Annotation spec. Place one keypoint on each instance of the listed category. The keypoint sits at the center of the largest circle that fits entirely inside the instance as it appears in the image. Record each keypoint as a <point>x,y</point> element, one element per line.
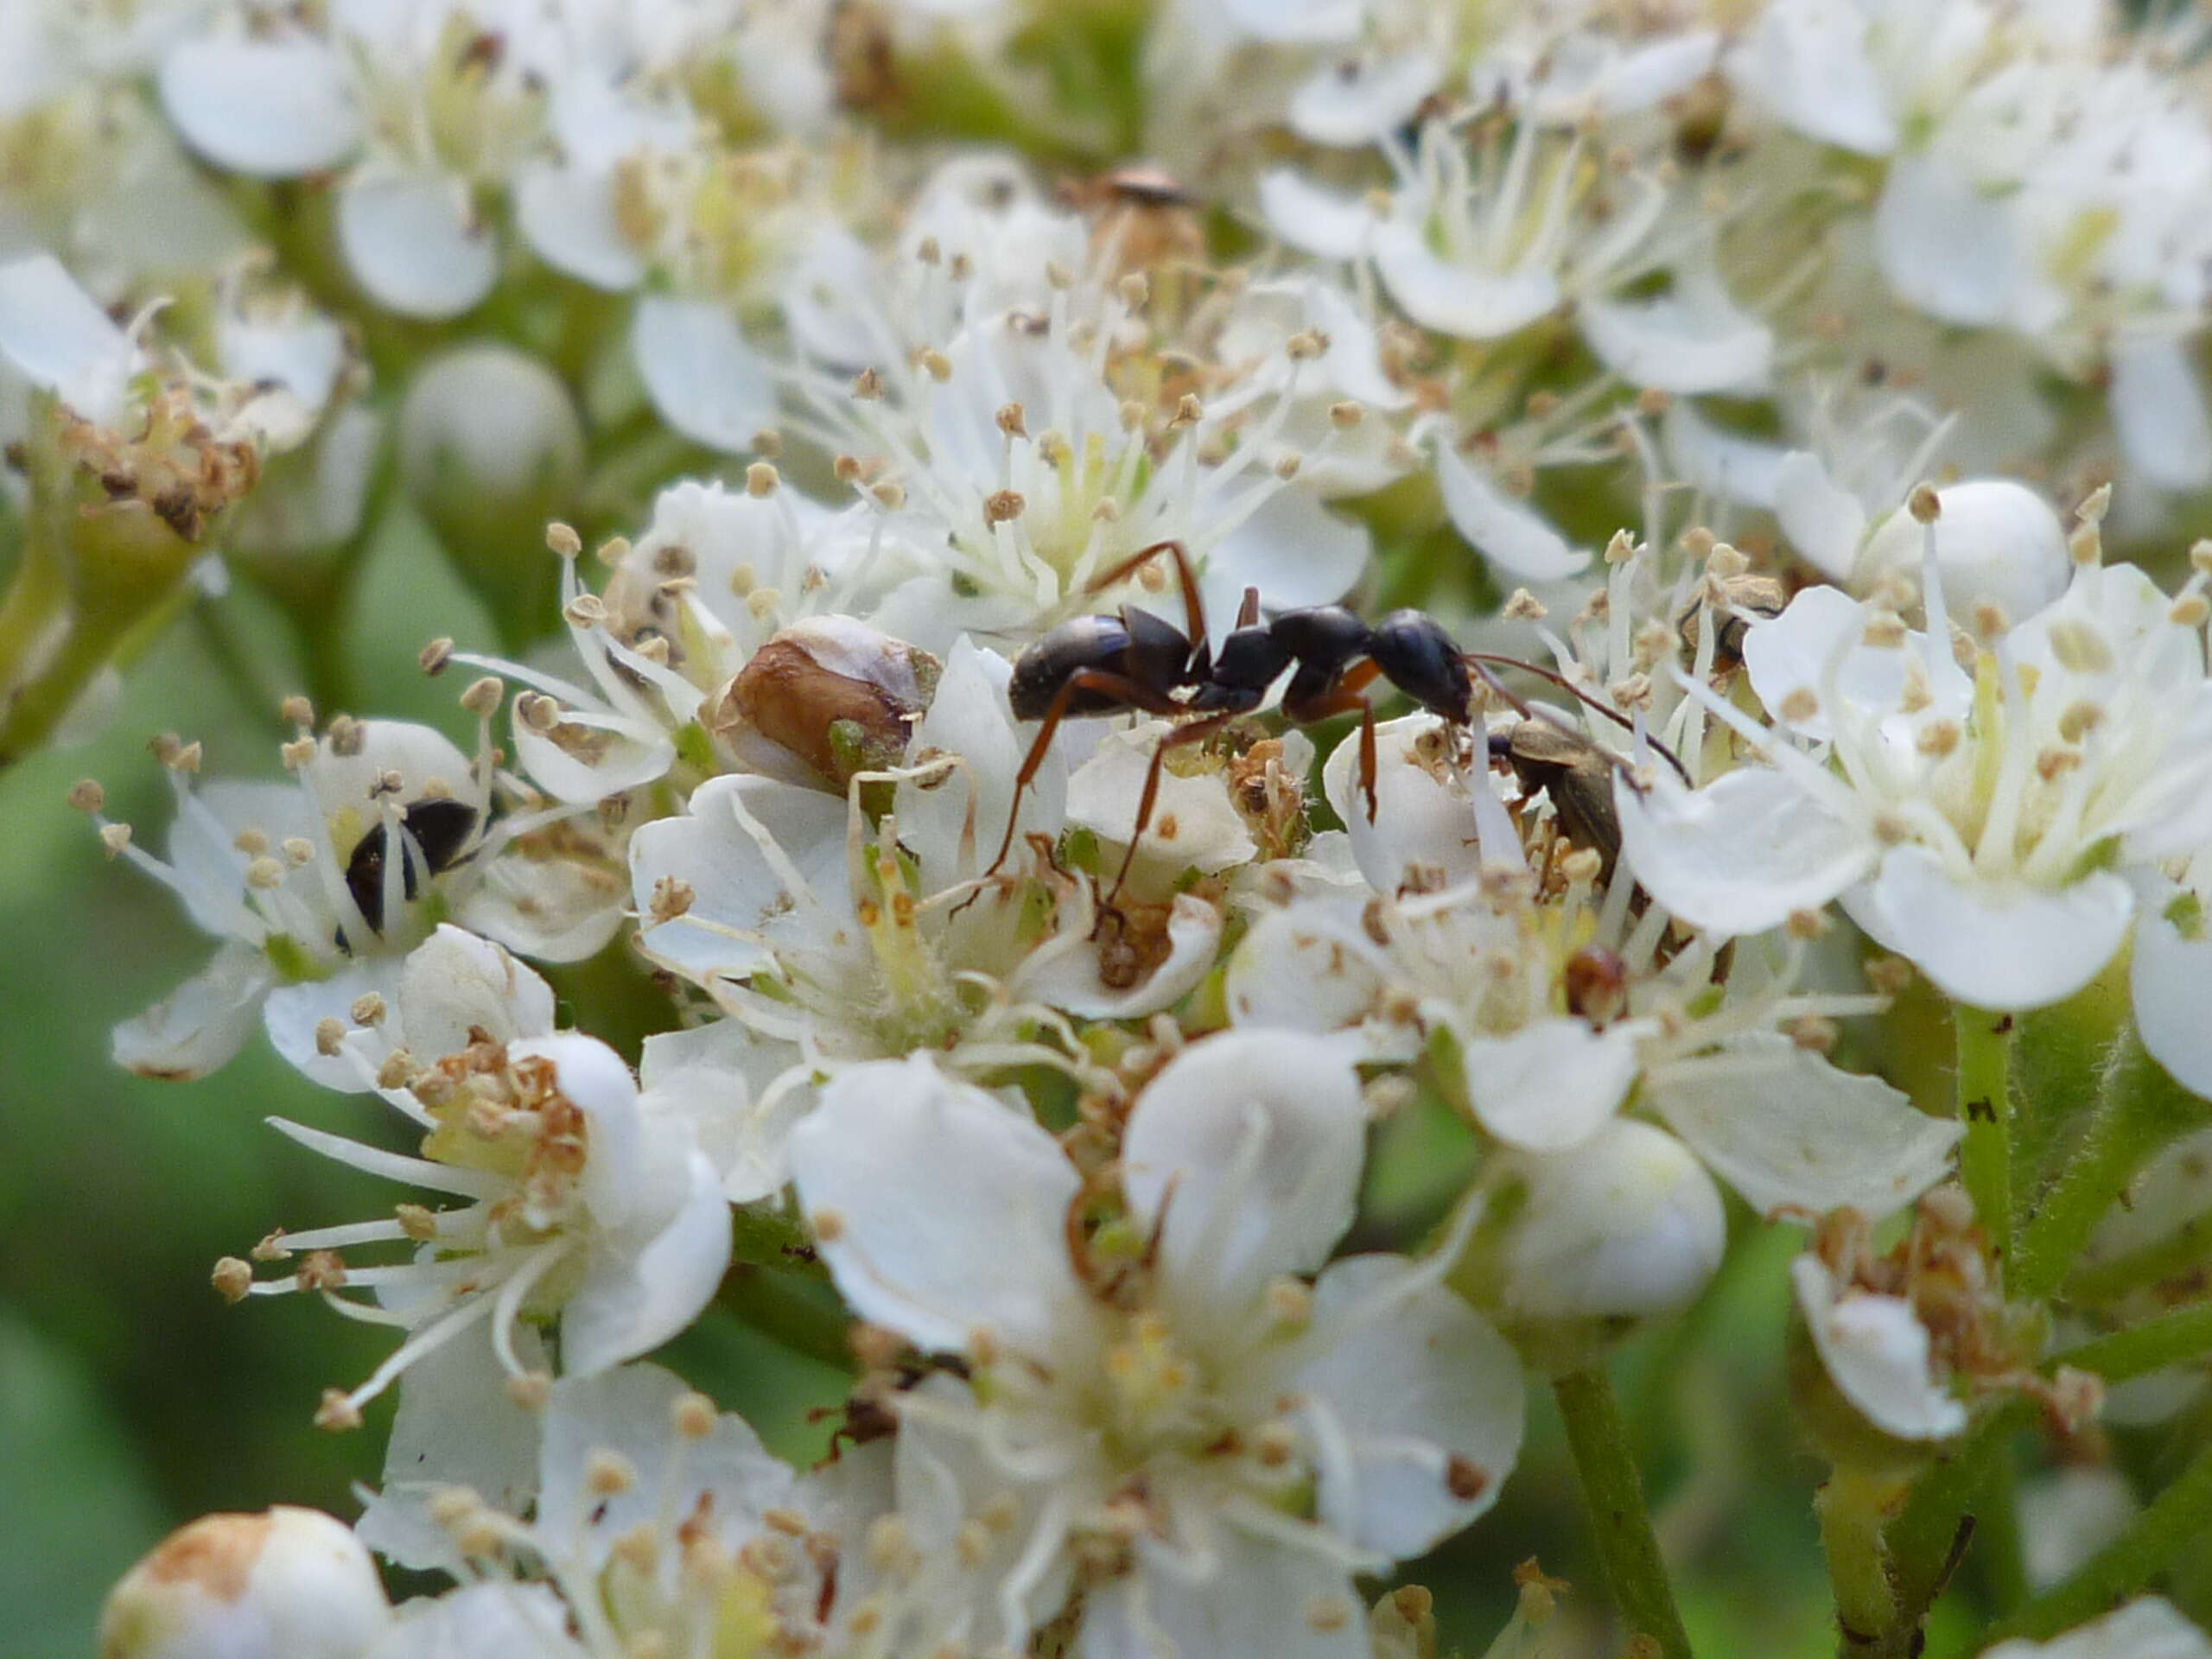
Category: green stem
<point>2139,1109</point>
<point>34,599</point>
<point>1984,1091</point>
<point>1921,1538</point>
<point>1999,1550</point>
<point>1612,1493</point>
<point>2175,1519</point>
<point>792,1312</point>
<point>1852,1509</point>
<point>2185,1333</point>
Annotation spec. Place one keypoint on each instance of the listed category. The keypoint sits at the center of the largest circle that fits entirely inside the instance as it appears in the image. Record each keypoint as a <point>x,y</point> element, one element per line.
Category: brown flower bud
<point>834,693</point>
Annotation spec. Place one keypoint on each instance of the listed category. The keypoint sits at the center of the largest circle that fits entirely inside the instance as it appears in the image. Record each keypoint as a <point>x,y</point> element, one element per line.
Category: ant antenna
<point>1479,660</point>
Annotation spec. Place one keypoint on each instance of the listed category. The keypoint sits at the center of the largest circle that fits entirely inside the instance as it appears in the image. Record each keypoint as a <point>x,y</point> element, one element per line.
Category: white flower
<point>718,574</point>
<point>1572,1250</point>
<point>1236,1443</point>
<point>2149,1627</point>
<point>1012,472</point>
<point>831,942</point>
<point>286,1584</point>
<point>300,882</point>
<point>1981,826</point>
<point>581,1203</point>
<point>1878,1352</point>
<point>1999,545</point>
<point>55,337</point>
<point>650,1513</point>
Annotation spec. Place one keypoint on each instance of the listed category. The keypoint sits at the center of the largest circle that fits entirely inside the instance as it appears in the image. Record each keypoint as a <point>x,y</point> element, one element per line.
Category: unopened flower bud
<point>835,694</point>
<point>1997,542</point>
<point>286,1584</point>
<point>1590,1243</point>
<point>490,450</point>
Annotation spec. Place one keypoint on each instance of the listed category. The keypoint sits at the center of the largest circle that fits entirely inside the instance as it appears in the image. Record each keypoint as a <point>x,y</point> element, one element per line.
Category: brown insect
<point>1748,600</point>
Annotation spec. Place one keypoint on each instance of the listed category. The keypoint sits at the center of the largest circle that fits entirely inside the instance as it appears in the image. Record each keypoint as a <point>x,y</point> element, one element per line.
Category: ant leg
<point>1197,731</point>
<point>1124,690</point>
<point>1475,659</point>
<point>1194,610</point>
<point>1343,699</point>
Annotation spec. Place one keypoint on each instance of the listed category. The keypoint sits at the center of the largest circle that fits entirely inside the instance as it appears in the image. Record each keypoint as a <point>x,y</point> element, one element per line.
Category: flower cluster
<point>943,587</point>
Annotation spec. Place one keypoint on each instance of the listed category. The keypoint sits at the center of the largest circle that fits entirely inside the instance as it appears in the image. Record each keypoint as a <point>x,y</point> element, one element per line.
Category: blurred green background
<point>133,1398</point>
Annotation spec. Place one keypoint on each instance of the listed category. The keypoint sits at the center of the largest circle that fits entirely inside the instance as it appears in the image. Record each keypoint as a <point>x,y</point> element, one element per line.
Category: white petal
<point>1821,631</point>
<point>1295,20</point>
<point>1806,60</point>
<point>293,1012</point>
<point>1721,463</point>
<point>1455,299</point>
<point>1227,1592</point>
<point>1064,971</point>
<point>1784,1127</point>
<point>1822,519</point>
<point>566,212</point>
<point>197,1028</point>
<point>57,338</point>
<point>720,1484</point>
<point>424,758</point>
<point>502,1617</point>
<point>830,303</point>
<point>742,901</point>
<point>949,1209</point>
<point>954,824</point>
<point>1628,1224</point>
<point>415,242</point>
<point>1510,536</point>
<point>1249,1143</point>
<point>2170,972</point>
<point>705,380</point>
<point>1738,855</point>
<point>1291,972</point>
<point>716,1077</point>
<point>304,357</point>
<point>1945,246</point>
<point>455,984</point>
<point>2068,1515</point>
<point>1312,220</point>
<point>274,108</point>
<point>1618,80</point>
<point>622,753</point>
<point>555,910</point>
<point>2146,1628</point>
<point>1294,550</point>
<point>2158,412</point>
<point>1421,837</point>
<point>1693,339</point>
<point>1996,945</point>
<point>1416,1380</point>
<point>1359,101</point>
<point>457,1426</point>
<point>1194,824</point>
<point>1551,1085</point>
<point>630,1301</point>
<point>1876,1351</point>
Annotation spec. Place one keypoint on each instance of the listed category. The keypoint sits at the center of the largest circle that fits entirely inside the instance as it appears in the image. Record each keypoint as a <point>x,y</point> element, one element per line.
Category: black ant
<point>444,833</point>
<point>1137,662</point>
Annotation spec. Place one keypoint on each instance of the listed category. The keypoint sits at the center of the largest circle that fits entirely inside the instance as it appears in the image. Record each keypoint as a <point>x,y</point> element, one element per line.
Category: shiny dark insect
<point>1135,662</point>
<point>445,831</point>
